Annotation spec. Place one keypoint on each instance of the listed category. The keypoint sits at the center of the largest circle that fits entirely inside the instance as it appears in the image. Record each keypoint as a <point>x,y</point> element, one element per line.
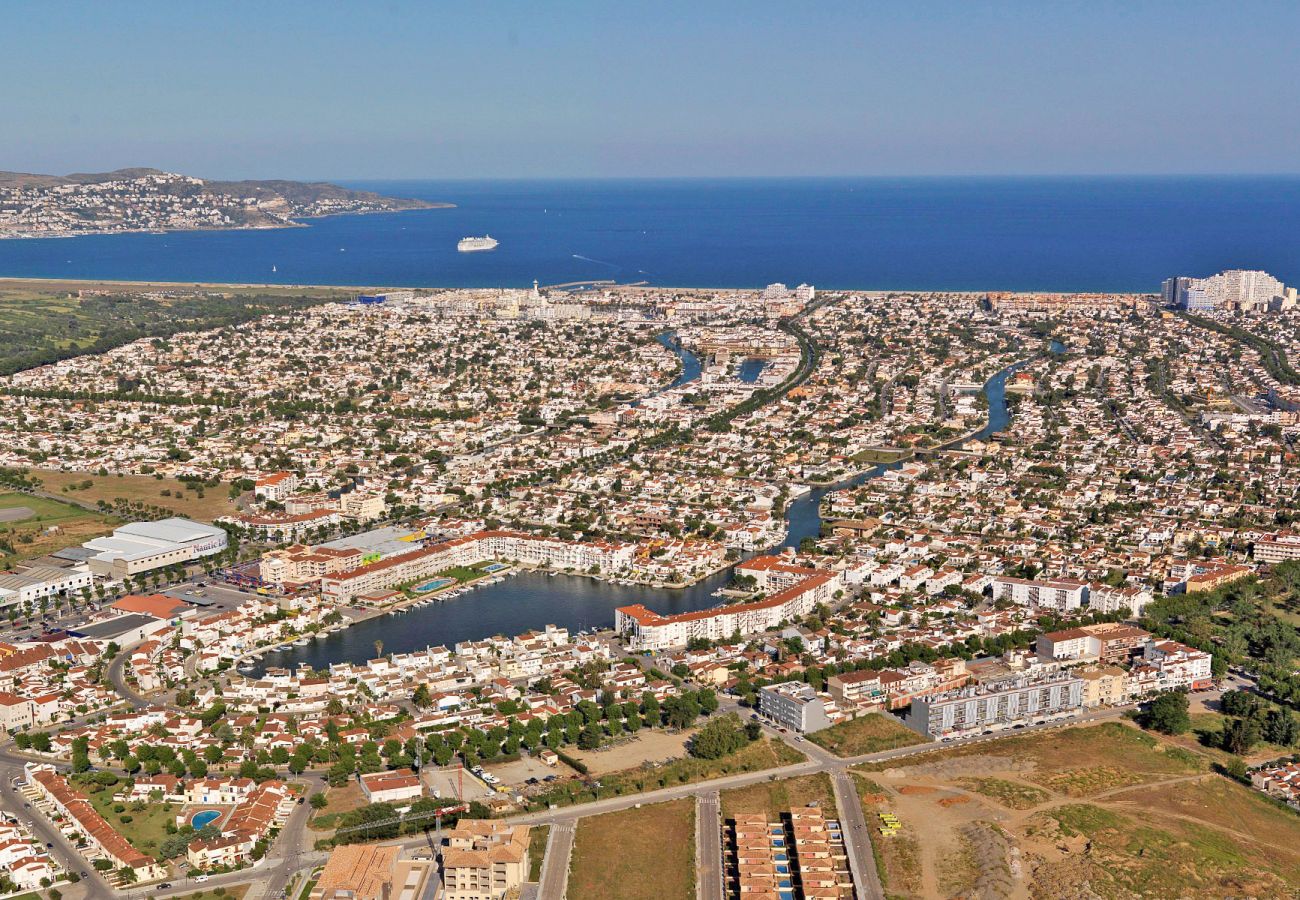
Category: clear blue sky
<point>395,89</point>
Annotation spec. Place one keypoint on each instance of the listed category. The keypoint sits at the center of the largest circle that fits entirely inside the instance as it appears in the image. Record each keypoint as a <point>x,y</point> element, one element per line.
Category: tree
<point>420,697</point>
<point>318,801</point>
<point>591,737</point>
<point>1239,735</point>
<point>720,737</point>
<point>1168,713</point>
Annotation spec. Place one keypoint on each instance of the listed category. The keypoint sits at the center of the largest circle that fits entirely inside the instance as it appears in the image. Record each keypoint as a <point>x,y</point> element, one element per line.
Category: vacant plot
<point>761,754</point>
<point>636,854</point>
<point>775,797</point>
<point>340,800</point>
<point>168,493</point>
<point>1011,794</point>
<point>1099,811</point>
<point>35,526</point>
<point>1077,762</point>
<point>1156,855</point>
<point>649,746</point>
<point>871,733</point>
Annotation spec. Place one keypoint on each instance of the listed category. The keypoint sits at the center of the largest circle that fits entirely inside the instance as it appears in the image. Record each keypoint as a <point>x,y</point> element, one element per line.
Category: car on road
<point>200,878</point>
<point>49,845</point>
<point>164,886</point>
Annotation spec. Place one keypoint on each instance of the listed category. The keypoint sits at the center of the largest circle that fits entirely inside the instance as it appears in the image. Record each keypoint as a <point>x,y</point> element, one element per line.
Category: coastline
<point>295,222</point>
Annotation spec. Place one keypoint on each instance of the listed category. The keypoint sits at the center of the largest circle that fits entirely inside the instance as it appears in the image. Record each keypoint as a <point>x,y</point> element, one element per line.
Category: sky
<point>374,90</point>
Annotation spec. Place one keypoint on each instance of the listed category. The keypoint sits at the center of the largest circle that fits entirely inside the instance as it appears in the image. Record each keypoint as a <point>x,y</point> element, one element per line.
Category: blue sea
<point>1052,234</point>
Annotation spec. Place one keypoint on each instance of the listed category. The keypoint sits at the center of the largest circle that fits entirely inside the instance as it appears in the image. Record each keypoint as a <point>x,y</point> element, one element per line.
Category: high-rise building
<point>1243,289</point>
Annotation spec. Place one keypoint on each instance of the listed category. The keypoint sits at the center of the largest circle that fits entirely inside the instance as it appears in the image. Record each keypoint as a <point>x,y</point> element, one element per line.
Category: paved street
<point>555,868</point>
<point>857,837</point>
<point>708,846</point>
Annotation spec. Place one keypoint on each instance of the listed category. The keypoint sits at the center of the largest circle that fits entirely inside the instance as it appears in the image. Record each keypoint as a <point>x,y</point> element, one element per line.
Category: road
<point>92,883</point>
<point>555,867</point>
<point>857,837</point>
<point>708,846</point>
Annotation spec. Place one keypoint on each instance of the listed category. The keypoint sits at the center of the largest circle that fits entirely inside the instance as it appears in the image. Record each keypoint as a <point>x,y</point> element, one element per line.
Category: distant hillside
<point>153,200</point>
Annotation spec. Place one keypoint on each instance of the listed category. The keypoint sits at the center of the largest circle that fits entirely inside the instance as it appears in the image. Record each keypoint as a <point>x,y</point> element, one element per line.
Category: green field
<point>44,321</point>
<point>871,733</point>
<point>51,526</point>
<point>146,829</point>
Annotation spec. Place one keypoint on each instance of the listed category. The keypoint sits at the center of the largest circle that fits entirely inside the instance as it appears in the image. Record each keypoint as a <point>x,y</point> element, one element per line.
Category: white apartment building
<point>1276,548</point>
<point>793,705</point>
<point>1027,700</point>
<point>648,630</point>
<point>1063,595</point>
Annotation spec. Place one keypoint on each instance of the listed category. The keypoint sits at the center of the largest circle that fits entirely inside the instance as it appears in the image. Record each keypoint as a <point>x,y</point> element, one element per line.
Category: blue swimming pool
<point>433,585</point>
<point>207,817</point>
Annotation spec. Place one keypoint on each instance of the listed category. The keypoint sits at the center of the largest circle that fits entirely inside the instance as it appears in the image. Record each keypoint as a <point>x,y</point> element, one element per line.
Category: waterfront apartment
<point>647,630</point>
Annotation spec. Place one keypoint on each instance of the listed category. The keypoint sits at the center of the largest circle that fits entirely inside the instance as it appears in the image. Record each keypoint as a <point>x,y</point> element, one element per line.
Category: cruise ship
<point>474,244</point>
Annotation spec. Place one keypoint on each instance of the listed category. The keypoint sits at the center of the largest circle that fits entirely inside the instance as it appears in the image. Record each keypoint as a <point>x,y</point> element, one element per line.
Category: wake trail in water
<point>599,262</point>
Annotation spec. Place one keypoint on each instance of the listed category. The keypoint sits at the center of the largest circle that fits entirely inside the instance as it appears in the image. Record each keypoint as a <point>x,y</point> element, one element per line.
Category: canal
<point>534,599</point>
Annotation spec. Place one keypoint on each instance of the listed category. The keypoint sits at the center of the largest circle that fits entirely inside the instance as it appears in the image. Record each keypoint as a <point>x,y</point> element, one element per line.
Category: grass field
<point>636,854</point>
<point>183,499</point>
<point>871,733</point>
<point>761,754</point>
<point>146,829</point>
<point>775,797</point>
<point>29,537</point>
<point>537,838</point>
<point>43,321</point>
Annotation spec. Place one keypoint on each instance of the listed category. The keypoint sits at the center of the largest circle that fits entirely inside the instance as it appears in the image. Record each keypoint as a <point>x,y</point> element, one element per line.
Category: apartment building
<point>1062,595</point>
<point>484,860</point>
<point>793,705</point>
<point>1107,642</point>
<point>648,630</point>
<point>1129,599</point>
<point>995,706</point>
<point>373,872</point>
<point>82,818</point>
<point>276,486</point>
<point>1276,548</point>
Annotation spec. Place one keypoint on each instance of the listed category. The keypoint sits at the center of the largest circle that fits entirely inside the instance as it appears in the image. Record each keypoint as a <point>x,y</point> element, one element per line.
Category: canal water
<point>534,599</point>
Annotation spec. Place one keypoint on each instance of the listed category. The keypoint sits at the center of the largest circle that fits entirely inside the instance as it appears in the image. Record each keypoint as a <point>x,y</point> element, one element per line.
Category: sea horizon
<point>1067,233</point>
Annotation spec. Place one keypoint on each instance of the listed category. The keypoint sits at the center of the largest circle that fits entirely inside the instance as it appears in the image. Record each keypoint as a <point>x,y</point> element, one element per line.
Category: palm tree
<point>379,648</point>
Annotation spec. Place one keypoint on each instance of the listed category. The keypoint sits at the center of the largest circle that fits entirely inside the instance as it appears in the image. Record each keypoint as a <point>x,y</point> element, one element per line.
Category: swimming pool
<point>207,817</point>
<point>433,585</point>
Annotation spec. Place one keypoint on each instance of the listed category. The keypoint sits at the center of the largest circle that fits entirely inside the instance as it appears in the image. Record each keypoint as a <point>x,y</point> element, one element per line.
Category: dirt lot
<point>446,782</point>
<point>636,854</point>
<point>519,771</point>
<point>648,746</point>
<point>1101,811</point>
